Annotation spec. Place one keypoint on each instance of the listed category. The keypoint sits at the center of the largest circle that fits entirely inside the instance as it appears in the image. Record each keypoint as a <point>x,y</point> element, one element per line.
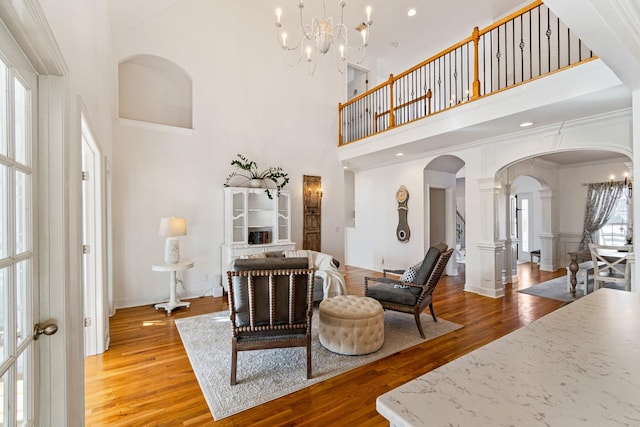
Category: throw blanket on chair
<point>333,281</point>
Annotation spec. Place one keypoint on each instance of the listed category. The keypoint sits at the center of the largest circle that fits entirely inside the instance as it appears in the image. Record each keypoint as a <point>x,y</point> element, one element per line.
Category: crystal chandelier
<point>318,37</point>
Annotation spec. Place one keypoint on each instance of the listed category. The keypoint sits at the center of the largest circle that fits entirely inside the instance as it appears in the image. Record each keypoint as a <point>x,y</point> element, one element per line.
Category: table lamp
<point>172,227</point>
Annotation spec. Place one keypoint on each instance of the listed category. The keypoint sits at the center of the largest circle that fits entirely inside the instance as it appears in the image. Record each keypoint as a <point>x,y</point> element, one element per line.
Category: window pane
<point>5,395</point>
<point>525,225</point>
<point>4,304</point>
<point>4,211</point>
<point>22,415</point>
<point>21,121</point>
<point>23,293</point>
<point>23,212</point>
<point>3,109</point>
<point>616,231</point>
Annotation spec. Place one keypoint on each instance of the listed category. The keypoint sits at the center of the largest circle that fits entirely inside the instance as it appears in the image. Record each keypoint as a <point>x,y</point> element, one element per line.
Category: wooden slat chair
<point>270,306</point>
<point>411,297</point>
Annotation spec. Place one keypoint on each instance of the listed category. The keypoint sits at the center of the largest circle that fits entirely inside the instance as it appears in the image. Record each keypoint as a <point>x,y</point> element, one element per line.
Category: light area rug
<point>557,289</point>
<point>265,375</point>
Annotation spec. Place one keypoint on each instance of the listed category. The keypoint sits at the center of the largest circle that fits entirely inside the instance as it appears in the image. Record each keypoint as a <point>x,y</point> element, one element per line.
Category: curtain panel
<point>601,200</point>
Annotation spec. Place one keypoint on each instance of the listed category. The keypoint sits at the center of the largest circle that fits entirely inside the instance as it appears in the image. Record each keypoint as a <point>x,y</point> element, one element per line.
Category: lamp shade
<point>172,227</point>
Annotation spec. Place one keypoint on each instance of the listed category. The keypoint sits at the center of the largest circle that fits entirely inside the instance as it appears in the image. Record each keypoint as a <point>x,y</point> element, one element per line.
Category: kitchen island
<point>579,365</point>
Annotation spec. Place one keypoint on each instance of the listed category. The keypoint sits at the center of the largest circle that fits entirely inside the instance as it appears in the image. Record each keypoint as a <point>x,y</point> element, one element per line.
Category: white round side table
<point>174,302</point>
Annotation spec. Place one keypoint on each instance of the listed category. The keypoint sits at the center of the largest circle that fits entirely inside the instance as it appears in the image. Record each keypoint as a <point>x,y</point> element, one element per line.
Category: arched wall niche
<point>155,90</point>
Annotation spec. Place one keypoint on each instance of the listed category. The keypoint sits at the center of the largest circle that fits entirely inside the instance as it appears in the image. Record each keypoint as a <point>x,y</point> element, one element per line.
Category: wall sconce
<point>172,227</point>
<point>318,192</point>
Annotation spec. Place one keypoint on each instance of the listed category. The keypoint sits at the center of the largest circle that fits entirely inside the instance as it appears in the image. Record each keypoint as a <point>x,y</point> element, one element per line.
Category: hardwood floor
<point>145,377</point>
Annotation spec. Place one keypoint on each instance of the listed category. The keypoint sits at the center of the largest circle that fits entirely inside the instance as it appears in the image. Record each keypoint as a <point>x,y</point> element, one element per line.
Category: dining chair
<point>610,265</point>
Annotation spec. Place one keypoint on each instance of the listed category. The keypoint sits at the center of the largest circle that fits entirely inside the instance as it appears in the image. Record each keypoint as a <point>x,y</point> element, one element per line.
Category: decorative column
<point>548,239</point>
<point>510,248</point>
<point>490,247</point>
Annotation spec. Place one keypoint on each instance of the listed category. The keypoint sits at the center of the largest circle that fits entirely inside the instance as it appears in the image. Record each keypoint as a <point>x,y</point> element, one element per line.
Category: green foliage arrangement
<point>248,169</point>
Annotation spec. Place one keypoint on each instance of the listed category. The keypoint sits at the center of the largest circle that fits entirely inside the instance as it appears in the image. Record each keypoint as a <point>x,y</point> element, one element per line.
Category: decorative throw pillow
<point>410,274</point>
<point>258,255</point>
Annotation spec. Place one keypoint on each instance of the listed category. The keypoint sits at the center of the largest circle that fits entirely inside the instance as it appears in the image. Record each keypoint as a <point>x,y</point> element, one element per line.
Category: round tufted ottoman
<point>352,325</point>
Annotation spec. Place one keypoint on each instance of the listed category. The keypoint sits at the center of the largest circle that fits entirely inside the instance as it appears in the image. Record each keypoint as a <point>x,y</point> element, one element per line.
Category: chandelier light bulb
<point>278,15</point>
<point>342,51</point>
<point>368,15</point>
<point>308,53</point>
<point>284,39</point>
<point>364,36</point>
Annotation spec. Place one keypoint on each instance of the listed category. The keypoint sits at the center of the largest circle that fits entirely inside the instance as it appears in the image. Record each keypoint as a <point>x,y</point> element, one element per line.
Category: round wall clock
<point>402,197</point>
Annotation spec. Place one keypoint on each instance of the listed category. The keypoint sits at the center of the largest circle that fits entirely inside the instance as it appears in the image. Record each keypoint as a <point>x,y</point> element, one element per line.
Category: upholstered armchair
<point>411,296</point>
<point>270,306</point>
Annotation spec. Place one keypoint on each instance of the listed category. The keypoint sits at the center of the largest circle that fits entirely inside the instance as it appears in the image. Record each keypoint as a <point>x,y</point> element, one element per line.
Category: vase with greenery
<point>248,169</point>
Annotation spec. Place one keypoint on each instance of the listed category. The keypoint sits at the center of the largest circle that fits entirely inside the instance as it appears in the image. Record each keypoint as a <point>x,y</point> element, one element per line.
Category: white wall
<point>246,100</point>
<point>374,236</point>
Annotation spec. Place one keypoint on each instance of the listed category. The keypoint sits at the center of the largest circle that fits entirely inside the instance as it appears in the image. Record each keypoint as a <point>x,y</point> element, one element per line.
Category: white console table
<point>174,302</point>
<point>577,366</point>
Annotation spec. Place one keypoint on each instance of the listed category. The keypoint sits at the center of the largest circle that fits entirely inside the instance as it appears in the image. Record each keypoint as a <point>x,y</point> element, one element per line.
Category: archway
<point>554,186</point>
<point>444,208</point>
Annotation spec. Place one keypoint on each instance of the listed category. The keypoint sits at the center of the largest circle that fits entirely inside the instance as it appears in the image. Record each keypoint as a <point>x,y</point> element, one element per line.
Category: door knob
<point>49,329</point>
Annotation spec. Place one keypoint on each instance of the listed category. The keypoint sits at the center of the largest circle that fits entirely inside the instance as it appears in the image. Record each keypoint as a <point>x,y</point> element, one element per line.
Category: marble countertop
<point>578,366</point>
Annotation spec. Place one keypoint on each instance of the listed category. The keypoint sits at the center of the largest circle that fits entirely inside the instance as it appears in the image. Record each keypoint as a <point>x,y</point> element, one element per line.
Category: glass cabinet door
<point>238,217</point>
<point>284,216</point>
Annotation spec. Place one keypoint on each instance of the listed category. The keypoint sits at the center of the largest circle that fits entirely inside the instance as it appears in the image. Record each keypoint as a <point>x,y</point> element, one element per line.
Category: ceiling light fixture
<point>399,154</point>
<point>411,12</point>
<point>526,124</point>
<point>318,37</point>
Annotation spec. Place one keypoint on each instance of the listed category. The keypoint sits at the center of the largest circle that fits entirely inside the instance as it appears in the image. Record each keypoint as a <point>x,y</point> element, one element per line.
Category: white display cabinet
<point>254,223</point>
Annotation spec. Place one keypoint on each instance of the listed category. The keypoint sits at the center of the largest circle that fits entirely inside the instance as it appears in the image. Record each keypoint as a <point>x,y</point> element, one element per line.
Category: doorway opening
<point>357,81</point>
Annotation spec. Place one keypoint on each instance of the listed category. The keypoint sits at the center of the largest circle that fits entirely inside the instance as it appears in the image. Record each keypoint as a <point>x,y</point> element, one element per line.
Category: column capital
<point>489,184</point>
<point>546,193</point>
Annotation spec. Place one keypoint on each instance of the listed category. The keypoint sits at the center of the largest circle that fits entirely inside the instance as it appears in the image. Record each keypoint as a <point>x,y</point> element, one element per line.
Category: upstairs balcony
<point>502,64</point>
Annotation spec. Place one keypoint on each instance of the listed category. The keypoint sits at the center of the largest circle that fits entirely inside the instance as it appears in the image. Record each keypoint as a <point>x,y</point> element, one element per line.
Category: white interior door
<point>525,225</point>
<point>18,253</point>
<point>95,314</point>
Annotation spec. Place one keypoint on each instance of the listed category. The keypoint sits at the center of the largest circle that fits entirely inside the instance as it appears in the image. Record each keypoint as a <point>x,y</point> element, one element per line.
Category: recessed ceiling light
<point>526,124</point>
<point>411,12</point>
<point>399,154</point>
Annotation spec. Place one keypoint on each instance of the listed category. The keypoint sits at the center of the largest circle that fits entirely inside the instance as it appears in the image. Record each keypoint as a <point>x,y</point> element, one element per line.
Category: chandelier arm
<point>361,48</point>
<point>304,27</point>
<point>311,67</point>
<point>341,33</point>
<point>285,57</point>
<point>283,46</point>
